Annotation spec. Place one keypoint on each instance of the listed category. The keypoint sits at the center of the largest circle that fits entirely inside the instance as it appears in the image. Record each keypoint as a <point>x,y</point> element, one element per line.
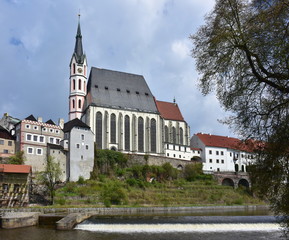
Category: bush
<point>113,193</point>
<point>192,171</point>
<point>81,180</point>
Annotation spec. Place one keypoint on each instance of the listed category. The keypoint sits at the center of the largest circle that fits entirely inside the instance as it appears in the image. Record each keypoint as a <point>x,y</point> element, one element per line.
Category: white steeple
<point>78,78</point>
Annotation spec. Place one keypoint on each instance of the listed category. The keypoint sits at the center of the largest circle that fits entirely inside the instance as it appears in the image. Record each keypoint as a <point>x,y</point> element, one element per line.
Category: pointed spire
<point>78,50</point>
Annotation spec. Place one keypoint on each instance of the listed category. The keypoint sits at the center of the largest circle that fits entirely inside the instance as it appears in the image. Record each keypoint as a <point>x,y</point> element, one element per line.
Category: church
<point>123,113</point>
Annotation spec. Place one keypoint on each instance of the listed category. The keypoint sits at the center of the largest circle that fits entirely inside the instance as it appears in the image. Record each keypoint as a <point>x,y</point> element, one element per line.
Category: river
<point>232,225</point>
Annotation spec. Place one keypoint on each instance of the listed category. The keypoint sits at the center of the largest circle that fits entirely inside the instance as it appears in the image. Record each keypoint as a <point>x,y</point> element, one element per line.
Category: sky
<point>145,37</point>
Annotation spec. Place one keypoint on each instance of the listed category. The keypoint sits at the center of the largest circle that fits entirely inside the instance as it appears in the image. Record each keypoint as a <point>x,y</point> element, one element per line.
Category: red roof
<point>13,168</point>
<point>169,111</point>
<point>226,142</point>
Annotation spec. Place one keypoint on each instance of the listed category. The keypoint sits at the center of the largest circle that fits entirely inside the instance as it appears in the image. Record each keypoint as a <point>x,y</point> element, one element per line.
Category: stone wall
<point>138,159</point>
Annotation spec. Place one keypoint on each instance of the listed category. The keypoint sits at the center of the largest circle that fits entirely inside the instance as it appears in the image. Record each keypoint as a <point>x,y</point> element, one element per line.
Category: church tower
<point>78,78</point>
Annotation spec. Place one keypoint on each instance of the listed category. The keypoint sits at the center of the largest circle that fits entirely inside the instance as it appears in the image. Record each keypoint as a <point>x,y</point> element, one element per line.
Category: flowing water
<point>231,225</point>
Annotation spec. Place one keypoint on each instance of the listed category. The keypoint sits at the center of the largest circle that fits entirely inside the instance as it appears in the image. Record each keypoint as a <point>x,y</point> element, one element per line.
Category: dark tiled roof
<point>50,122</point>
<point>78,50</point>
<point>107,88</point>
<point>31,118</point>
<point>169,111</point>
<point>5,134</point>
<point>12,168</point>
<point>74,123</point>
<point>226,142</point>
<point>54,146</point>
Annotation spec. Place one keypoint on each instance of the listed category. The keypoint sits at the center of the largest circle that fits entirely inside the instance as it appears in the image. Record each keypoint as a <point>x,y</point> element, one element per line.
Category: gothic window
<point>73,84</point>
<point>127,133</point>
<point>73,103</point>
<point>79,103</point>
<point>79,84</point>
<point>153,135</point>
<point>174,136</point>
<point>181,136</point>
<point>140,134</point>
<point>166,134</point>
<point>98,130</point>
<point>73,68</point>
<point>113,128</point>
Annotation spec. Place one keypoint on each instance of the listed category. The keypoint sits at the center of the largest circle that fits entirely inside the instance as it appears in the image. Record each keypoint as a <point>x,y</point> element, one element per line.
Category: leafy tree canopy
<point>242,53</point>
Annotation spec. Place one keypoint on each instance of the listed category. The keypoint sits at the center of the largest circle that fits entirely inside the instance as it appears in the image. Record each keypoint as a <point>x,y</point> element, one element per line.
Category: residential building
<point>220,153</point>
<point>33,137</point>
<point>7,144</point>
<point>79,140</point>
<point>14,185</point>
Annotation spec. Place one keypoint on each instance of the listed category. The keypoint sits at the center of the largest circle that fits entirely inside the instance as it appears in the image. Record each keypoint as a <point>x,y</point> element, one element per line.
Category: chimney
<point>61,123</point>
<point>39,119</point>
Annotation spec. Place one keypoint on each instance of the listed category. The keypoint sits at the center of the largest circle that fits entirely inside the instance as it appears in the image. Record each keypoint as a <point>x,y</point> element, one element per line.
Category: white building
<point>123,113</point>
<point>220,153</point>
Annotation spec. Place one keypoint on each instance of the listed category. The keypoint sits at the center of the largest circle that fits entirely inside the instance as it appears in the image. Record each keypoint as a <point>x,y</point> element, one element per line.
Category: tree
<point>242,53</point>
<point>18,158</point>
<point>50,176</point>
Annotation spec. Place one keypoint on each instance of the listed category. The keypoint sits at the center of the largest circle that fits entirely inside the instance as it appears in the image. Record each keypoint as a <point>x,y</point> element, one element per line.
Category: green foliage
<point>81,180</point>
<point>242,53</point>
<point>113,193</point>
<point>106,161</point>
<point>193,171</point>
<point>50,176</point>
<point>18,158</point>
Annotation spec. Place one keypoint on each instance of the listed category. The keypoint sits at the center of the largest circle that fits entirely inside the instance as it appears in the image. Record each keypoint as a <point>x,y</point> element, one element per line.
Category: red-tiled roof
<point>13,168</point>
<point>169,111</point>
<point>225,142</point>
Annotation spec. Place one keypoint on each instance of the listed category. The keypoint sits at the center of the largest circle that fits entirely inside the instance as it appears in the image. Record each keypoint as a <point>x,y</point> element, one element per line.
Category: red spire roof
<point>226,142</point>
<point>13,168</point>
<point>169,111</point>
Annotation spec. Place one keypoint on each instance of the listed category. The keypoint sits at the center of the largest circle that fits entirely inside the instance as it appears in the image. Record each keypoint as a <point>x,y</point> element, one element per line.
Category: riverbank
<point>73,216</point>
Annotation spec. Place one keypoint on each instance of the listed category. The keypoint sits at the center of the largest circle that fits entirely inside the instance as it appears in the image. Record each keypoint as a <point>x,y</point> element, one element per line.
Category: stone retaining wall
<point>156,160</point>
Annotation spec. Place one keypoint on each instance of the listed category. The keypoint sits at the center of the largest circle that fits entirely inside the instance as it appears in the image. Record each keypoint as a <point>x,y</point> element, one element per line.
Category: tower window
<point>73,68</point>
<point>73,103</point>
<point>73,84</point>
<point>79,84</point>
<point>79,103</point>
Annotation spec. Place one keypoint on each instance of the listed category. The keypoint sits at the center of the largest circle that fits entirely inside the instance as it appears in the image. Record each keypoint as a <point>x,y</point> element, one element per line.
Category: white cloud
<point>181,48</point>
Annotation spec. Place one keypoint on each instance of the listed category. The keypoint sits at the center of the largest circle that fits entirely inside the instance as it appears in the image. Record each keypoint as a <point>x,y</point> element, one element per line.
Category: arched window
<point>126,133</point>
<point>181,136</point>
<point>153,135</point>
<point>73,84</point>
<point>174,136</point>
<point>73,68</point>
<point>140,134</point>
<point>166,134</point>
<point>98,130</point>
<point>113,128</point>
<point>79,103</point>
<point>79,84</point>
<point>73,103</point>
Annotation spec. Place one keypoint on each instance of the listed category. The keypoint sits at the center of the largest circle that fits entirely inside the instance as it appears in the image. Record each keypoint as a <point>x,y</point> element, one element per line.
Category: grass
<point>109,192</point>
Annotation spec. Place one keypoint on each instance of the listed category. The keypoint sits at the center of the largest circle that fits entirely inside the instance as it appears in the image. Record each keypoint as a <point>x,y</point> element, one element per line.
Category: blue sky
<point>146,37</point>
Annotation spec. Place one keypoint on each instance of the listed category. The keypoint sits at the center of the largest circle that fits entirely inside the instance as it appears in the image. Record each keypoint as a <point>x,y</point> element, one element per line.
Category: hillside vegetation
<point>113,183</point>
